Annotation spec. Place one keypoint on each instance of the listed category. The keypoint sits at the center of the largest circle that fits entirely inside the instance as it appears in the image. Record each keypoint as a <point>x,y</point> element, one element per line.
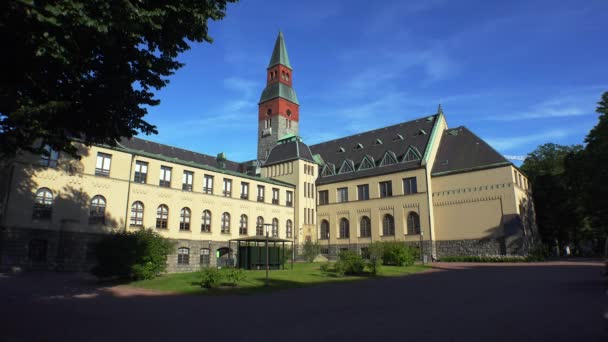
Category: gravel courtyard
<point>553,301</point>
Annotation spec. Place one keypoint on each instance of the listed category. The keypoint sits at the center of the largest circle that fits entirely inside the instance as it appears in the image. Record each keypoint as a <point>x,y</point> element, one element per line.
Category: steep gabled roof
<point>279,89</point>
<point>396,138</point>
<point>289,150</point>
<point>461,150</point>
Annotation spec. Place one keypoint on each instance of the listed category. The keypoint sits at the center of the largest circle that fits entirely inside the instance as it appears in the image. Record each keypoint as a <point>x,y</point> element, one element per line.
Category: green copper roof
<point>279,90</point>
<point>287,136</point>
<point>279,54</point>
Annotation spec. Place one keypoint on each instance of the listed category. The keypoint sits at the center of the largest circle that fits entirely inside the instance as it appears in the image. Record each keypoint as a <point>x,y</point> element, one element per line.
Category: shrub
<point>132,255</point>
<point>339,269</point>
<point>234,275</point>
<point>288,255</point>
<point>396,253</point>
<point>325,269</point>
<point>350,262</point>
<point>375,257</point>
<point>310,250</point>
<point>211,277</point>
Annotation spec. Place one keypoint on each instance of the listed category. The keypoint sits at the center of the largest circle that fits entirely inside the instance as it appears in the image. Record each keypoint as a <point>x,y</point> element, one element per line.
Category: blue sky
<point>517,73</point>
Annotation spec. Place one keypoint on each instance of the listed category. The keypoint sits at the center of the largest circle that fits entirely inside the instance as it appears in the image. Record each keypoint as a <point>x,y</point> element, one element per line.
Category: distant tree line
<point>570,189</point>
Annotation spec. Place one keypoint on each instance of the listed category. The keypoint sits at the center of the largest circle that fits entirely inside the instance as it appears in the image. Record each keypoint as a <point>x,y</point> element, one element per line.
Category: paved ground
<point>559,301</point>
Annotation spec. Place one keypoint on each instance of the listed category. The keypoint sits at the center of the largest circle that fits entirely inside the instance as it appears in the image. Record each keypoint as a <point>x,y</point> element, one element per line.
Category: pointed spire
<point>439,109</point>
<point>279,54</point>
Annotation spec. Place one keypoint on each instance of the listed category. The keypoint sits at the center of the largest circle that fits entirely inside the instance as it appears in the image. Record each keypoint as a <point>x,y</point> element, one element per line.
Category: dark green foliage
<point>234,275</point>
<point>88,69</point>
<point>325,268</point>
<point>287,256</point>
<point>349,263</point>
<point>310,250</point>
<point>398,254</point>
<point>132,255</point>
<point>375,257</point>
<point>211,277</point>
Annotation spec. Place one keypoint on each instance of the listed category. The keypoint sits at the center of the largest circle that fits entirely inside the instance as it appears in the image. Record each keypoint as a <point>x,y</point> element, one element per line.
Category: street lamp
<point>266,226</point>
<point>421,246</point>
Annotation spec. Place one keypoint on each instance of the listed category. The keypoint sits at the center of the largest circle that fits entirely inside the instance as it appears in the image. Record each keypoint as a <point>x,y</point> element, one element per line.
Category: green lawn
<point>303,274</point>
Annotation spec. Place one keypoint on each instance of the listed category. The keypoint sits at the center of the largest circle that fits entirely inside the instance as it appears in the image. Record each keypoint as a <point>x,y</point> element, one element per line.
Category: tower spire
<point>439,109</point>
<point>279,54</point>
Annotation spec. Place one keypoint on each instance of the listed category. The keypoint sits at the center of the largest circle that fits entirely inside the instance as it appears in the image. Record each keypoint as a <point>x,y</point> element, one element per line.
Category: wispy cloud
<point>512,142</point>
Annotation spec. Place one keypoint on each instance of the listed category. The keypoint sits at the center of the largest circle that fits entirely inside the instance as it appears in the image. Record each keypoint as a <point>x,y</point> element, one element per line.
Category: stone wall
<point>512,245</point>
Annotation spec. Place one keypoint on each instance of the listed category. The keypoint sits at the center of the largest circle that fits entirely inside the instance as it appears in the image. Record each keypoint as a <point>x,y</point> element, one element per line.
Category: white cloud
<point>509,143</point>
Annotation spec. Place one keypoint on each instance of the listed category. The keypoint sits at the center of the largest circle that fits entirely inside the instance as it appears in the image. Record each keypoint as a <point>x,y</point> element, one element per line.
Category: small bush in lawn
<point>234,275</point>
<point>288,255</point>
<point>397,254</point>
<point>325,269</point>
<point>132,255</point>
<point>310,250</point>
<point>375,257</point>
<point>211,277</point>
<point>340,269</point>
<point>350,262</point>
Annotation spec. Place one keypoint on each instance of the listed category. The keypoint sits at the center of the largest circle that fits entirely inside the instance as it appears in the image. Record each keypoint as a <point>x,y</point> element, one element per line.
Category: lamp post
<point>421,247</point>
<point>266,226</point>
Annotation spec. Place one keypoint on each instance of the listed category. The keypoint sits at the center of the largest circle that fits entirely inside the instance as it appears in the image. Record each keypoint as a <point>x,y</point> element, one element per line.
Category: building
<point>441,189</point>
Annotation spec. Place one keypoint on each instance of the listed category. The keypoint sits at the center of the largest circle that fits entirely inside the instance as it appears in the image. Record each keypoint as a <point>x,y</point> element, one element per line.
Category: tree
<point>310,250</point>
<point>87,69</point>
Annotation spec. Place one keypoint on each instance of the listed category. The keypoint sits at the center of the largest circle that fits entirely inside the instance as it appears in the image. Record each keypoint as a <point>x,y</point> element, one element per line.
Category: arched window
<point>183,256</point>
<point>243,225</point>
<point>269,112</point>
<point>289,229</point>
<point>97,212</point>
<point>37,250</point>
<point>344,228</point>
<point>206,224</point>
<point>43,204</point>
<point>275,227</point>
<point>413,223</point>
<point>324,230</point>
<point>225,223</point>
<point>365,227</point>
<point>388,225</point>
<point>184,219</point>
<point>259,226</point>
<point>137,214</point>
<point>162,216</point>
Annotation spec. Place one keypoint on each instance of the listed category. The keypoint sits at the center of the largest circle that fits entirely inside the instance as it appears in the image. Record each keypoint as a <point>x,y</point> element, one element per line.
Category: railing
<point>102,172</point>
<point>289,204</point>
<point>245,196</point>
<point>164,183</point>
<point>267,131</point>
<point>187,187</point>
<point>207,190</point>
<point>275,201</point>
<point>227,193</point>
<point>260,198</point>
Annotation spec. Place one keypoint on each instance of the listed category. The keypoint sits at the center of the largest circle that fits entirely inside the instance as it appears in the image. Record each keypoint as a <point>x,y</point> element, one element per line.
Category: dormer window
<point>341,150</point>
<point>398,137</point>
<point>378,142</point>
<point>422,132</point>
<point>358,146</point>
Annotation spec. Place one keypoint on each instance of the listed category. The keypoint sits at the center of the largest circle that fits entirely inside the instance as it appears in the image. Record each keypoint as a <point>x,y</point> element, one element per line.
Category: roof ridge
<point>180,148</point>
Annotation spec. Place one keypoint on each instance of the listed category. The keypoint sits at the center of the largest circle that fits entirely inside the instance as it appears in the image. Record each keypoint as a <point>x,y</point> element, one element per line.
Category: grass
<point>302,275</point>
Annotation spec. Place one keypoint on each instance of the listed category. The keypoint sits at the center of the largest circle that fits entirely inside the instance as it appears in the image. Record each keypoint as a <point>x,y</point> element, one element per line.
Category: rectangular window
<point>187,180</point>
<point>204,256</point>
<point>342,195</point>
<point>410,186</point>
<point>260,193</point>
<point>102,168</point>
<point>323,197</point>
<point>244,190</point>
<point>275,196</point>
<point>363,192</point>
<point>208,184</point>
<point>227,189</point>
<point>165,176</point>
<point>289,199</point>
<point>386,189</point>
<point>305,190</point>
<point>50,158</point>
<point>141,172</point>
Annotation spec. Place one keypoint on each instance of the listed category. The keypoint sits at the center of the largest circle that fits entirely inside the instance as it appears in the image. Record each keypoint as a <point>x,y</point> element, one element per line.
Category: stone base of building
<point>512,245</point>
<point>331,251</point>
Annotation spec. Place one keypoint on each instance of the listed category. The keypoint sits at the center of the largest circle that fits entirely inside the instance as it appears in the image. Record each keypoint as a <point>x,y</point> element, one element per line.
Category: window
<point>260,193</point>
<point>411,154</point>
<point>137,214</point>
<point>204,256</point>
<point>342,195</point>
<point>227,189</point>
<point>37,250</point>
<point>410,186</point>
<point>388,225</point>
<point>186,180</point>
<point>259,226</point>
<point>244,190</point>
<point>365,253</point>
<point>287,123</point>
<point>97,212</point>
<point>323,197</point>
<point>165,176</point>
<point>141,172</point>
<point>275,196</point>
<point>243,225</point>
<point>289,229</point>
<point>365,227</point>
<point>386,189</point>
<point>162,216</point>
<point>324,230</point>
<point>183,256</point>
<point>49,158</point>
<point>208,184</point>
<point>102,168</point>
<point>289,200</point>
<point>363,192</point>
<point>275,227</point>
<point>43,204</point>
<point>413,224</point>
<point>344,228</point>
<point>225,223</point>
<point>206,225</point>
<point>388,159</point>
<point>324,250</point>
<point>184,219</point>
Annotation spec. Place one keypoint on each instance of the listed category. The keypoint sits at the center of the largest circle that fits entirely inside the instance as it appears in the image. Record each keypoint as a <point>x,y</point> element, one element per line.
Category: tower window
<point>269,112</point>
<point>288,112</point>
<point>287,76</point>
